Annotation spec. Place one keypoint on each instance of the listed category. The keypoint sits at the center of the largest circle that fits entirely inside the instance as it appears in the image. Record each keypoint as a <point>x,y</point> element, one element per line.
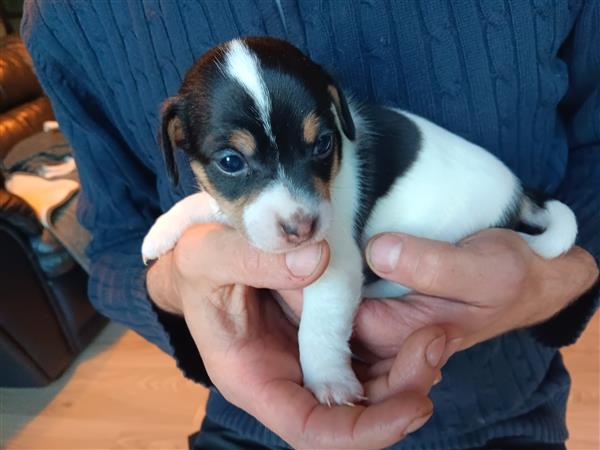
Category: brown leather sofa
<point>45,316</point>
<point>23,106</point>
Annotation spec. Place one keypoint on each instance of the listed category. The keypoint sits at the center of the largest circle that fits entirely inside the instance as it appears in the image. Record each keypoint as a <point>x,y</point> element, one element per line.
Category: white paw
<point>161,238</point>
<point>339,388</point>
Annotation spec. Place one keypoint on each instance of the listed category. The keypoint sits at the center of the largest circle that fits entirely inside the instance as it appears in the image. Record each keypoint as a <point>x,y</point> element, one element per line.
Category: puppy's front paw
<point>336,388</point>
<point>161,238</point>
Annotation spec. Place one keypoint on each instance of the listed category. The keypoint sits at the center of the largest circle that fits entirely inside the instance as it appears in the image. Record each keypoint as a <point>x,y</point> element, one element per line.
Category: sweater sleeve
<point>581,186</point>
<point>118,202</point>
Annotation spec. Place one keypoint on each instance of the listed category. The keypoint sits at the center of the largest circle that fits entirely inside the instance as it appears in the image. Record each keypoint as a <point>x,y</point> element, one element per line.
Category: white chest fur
<point>331,302</point>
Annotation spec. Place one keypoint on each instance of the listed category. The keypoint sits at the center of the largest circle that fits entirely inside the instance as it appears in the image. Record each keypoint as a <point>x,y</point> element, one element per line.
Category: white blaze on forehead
<point>243,66</point>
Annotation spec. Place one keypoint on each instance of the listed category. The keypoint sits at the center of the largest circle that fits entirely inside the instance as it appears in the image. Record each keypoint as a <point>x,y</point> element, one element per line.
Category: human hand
<point>250,349</point>
<point>486,285</point>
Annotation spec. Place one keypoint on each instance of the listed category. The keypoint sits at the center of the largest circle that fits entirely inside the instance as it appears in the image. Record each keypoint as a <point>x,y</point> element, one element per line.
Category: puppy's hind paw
<point>337,392</point>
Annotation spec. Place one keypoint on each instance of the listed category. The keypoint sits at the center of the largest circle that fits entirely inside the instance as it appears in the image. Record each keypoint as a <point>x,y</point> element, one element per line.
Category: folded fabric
<point>54,260</point>
<point>60,170</point>
<point>51,147</point>
<point>46,165</point>
<point>43,195</point>
<point>51,125</point>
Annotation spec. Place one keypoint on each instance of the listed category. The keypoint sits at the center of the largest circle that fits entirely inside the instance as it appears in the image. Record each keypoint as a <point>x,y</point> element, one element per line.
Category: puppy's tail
<point>555,219</point>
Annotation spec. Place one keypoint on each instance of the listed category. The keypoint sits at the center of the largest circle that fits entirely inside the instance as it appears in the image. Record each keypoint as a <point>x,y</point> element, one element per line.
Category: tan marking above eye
<point>202,178</point>
<point>322,188</point>
<point>310,127</point>
<point>234,210</point>
<point>243,141</point>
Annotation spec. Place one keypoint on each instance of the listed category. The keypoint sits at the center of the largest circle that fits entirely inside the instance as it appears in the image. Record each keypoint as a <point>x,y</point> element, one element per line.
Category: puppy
<point>284,158</point>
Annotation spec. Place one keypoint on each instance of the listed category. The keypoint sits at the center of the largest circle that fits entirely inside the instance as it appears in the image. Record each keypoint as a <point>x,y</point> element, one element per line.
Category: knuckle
<point>427,269</point>
<point>182,256</point>
<point>589,266</point>
<point>194,248</point>
<point>594,272</point>
<point>250,261</point>
<point>519,269</point>
<point>516,277</point>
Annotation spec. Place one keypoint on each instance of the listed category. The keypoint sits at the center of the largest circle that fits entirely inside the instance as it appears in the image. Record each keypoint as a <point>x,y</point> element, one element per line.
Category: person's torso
<point>489,71</point>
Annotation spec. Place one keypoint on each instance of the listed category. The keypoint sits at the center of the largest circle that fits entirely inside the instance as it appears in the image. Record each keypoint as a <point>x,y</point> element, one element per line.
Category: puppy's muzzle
<point>299,228</point>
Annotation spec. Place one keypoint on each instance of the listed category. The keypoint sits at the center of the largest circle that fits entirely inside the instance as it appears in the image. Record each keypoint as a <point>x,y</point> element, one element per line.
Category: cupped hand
<point>487,284</point>
<point>250,352</point>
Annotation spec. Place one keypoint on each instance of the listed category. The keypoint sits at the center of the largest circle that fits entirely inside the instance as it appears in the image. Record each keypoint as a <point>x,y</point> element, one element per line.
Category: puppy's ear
<point>343,112</point>
<point>172,134</point>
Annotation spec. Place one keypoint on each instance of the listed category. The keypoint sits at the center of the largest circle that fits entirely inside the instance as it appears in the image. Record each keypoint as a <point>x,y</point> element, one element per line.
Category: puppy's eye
<point>231,162</point>
<point>323,147</point>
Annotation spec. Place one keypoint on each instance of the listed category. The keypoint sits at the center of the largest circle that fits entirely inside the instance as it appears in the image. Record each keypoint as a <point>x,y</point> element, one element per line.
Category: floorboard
<point>124,393</point>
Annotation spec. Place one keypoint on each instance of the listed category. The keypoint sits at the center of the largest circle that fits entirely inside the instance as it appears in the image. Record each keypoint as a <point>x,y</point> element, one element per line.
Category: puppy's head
<point>263,126</point>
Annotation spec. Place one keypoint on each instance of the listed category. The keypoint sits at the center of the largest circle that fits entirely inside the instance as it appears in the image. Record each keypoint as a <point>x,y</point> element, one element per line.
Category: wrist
<point>160,284</point>
<point>569,277</point>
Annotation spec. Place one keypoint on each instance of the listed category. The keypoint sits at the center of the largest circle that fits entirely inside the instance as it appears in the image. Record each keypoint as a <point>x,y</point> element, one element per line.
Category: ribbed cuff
<point>184,348</point>
<point>118,290</point>
<point>566,327</point>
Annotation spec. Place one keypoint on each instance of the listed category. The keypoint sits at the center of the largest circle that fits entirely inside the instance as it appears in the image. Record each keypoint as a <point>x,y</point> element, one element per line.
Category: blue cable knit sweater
<point>520,78</point>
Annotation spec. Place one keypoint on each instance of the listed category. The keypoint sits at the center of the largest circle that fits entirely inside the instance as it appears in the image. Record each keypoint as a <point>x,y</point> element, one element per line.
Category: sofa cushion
<point>23,121</point>
<point>18,83</point>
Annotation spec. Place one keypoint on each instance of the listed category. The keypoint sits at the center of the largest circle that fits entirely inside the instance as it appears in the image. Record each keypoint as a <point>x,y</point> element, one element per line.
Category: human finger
<point>415,368</point>
<point>292,412</point>
<point>224,256</point>
<point>446,270</point>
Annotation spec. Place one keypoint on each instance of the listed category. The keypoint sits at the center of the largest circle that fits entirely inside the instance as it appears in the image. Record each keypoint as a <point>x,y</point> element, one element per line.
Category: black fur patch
<point>512,220</point>
<point>539,198</point>
<point>390,150</point>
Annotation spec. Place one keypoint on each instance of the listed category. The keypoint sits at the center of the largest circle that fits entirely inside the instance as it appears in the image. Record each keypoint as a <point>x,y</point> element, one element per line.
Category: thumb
<point>224,256</point>
<point>424,265</point>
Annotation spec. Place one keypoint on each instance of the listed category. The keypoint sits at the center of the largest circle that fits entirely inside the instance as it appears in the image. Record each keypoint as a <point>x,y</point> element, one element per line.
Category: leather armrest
<point>18,83</point>
<point>16,212</point>
<point>23,121</point>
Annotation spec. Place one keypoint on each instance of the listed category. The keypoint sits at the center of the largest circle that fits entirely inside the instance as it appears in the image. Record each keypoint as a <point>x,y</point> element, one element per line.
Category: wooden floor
<point>583,410</point>
<point>123,393</point>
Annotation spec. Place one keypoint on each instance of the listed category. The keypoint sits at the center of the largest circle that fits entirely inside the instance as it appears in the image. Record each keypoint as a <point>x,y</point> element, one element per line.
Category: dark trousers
<point>214,437</point>
<point>520,444</point>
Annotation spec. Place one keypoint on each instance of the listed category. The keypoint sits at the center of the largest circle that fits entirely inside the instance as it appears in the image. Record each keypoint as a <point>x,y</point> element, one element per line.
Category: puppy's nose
<point>300,228</point>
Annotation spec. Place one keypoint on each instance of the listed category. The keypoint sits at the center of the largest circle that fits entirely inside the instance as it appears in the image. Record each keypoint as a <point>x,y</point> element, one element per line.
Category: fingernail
<point>303,262</point>
<point>435,351</point>
<point>384,253</point>
<point>451,348</point>
<point>417,423</point>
